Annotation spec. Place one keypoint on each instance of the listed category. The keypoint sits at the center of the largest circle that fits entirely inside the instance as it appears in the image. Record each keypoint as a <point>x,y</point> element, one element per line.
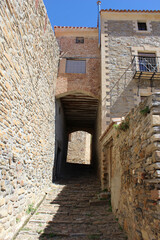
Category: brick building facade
<point>77,91</point>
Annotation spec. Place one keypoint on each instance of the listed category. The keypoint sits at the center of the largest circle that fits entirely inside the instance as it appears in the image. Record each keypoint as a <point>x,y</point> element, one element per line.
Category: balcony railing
<point>145,67</point>
<point>141,68</point>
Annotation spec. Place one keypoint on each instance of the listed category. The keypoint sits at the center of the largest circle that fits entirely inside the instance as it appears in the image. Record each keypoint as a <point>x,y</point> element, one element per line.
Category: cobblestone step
<point>66,214</point>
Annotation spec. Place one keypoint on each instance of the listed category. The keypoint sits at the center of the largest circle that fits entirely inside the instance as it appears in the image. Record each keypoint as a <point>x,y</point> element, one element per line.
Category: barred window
<point>75,66</point>
<point>142,26</point>
<point>147,62</point>
<point>79,39</point>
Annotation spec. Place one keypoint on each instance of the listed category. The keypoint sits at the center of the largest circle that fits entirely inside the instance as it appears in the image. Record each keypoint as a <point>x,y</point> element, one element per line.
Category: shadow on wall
<point>61,142</point>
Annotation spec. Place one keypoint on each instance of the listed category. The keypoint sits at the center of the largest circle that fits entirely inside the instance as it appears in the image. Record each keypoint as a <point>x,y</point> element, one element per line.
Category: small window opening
<point>79,39</point>
<point>75,66</point>
<point>142,26</point>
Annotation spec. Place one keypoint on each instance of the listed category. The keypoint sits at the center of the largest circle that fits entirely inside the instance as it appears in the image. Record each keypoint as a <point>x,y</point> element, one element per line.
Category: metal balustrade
<point>146,66</point>
<point>142,67</point>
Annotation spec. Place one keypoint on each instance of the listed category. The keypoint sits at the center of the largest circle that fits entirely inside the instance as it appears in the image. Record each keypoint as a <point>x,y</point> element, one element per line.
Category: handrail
<point>122,74</point>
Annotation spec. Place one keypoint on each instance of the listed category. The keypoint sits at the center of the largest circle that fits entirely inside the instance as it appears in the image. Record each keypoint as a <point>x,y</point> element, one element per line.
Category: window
<point>142,26</point>
<point>147,62</point>
<point>79,39</point>
<point>75,66</point>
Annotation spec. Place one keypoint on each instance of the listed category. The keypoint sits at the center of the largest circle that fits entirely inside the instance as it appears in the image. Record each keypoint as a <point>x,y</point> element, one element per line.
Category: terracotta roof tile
<point>130,11</point>
<point>75,27</point>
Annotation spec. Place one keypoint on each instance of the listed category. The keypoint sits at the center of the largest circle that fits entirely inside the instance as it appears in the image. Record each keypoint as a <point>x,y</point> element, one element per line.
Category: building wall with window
<point>79,67</point>
<point>125,34</point>
<point>131,170</point>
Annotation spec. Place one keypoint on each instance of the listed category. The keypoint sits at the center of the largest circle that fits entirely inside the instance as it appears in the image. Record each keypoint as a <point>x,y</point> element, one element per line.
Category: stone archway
<point>75,111</point>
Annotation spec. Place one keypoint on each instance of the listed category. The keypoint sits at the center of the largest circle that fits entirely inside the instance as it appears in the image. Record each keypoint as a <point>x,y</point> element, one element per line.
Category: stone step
<point>76,211</point>
<point>67,202</point>
<point>96,202</point>
<point>61,222</point>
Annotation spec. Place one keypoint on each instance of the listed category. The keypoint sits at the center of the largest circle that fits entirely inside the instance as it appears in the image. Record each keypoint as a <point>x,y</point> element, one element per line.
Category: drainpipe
<point>99,23</point>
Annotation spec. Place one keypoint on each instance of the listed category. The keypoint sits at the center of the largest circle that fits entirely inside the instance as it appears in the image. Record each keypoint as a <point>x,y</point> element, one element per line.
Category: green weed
<point>93,237</point>
<point>25,229</point>
<point>110,209</point>
<point>39,231</point>
<point>17,220</point>
<point>30,209</point>
<point>145,111</point>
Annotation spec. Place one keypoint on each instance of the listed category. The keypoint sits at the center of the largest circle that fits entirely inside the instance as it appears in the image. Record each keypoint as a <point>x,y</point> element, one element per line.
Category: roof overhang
<point>112,14</point>
<point>76,31</point>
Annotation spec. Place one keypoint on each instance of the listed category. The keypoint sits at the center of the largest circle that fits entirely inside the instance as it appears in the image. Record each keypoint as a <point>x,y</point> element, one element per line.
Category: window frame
<point>148,26</point>
<point>138,25</point>
<point>67,68</point>
<point>80,40</point>
<point>147,61</point>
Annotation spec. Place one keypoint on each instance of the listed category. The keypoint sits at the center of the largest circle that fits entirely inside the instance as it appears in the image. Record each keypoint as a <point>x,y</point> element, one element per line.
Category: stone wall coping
<point>148,102</point>
<point>116,121</point>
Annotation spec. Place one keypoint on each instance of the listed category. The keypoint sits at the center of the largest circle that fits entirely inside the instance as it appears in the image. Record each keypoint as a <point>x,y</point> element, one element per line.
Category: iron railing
<point>139,65</point>
<point>121,84</point>
<point>145,64</point>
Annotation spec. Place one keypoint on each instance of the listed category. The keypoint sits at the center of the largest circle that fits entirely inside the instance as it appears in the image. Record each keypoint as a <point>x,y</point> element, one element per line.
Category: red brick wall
<point>88,82</point>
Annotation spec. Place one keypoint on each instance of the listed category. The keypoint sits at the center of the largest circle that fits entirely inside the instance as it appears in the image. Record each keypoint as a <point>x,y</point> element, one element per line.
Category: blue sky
<point>84,12</point>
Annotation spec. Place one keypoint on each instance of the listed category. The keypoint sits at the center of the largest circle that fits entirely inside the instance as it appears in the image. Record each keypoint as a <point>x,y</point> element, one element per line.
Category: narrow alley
<point>71,212</point>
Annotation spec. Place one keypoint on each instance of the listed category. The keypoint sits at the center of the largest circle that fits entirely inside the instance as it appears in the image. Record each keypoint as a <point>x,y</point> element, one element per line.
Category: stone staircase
<point>72,212</point>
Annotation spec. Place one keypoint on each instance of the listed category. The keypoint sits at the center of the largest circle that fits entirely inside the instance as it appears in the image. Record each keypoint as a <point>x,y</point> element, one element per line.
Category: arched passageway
<point>79,148</point>
<point>74,112</point>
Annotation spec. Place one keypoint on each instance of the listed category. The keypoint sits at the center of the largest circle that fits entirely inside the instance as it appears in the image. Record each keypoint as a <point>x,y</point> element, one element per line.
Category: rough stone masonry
<point>131,160</point>
<point>28,70</point>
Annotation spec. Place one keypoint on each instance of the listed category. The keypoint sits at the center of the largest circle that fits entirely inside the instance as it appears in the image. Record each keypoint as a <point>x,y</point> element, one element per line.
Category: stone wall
<point>79,148</point>
<point>28,70</point>
<point>120,41</point>
<point>123,39</point>
<point>131,169</point>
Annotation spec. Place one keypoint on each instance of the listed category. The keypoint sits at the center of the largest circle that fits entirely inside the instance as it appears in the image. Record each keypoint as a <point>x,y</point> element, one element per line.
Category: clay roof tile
<point>75,27</point>
<point>128,10</point>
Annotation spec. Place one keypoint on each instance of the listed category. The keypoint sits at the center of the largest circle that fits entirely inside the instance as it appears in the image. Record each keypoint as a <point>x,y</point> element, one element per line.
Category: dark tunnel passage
<point>75,112</point>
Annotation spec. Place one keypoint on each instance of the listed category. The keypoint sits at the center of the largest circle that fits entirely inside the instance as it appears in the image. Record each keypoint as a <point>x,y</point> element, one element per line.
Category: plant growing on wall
<point>123,126</point>
<point>145,111</point>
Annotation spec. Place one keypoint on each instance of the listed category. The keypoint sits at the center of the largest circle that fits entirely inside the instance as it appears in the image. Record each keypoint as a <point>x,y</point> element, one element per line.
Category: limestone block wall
<point>28,70</point>
<point>120,41</point>
<point>79,148</point>
<point>131,169</point>
<point>123,40</point>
